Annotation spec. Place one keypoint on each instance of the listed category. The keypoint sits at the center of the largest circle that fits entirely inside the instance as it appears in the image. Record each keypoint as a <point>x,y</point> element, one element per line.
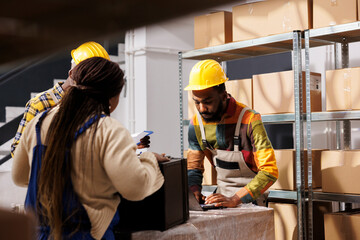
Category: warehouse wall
<point>156,87</point>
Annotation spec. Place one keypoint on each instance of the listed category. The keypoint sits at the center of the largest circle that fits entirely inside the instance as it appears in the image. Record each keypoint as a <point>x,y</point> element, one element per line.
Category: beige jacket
<point>116,168</point>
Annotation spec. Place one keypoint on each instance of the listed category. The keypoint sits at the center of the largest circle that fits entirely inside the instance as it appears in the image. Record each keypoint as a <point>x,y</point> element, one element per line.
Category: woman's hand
<point>222,201</point>
<point>144,142</point>
<point>161,157</point>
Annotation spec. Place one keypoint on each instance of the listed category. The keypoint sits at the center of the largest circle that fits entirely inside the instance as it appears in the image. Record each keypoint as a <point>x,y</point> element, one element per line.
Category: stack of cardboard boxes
<point>340,175</point>
<point>343,89</point>
<point>266,18</point>
<point>342,225</point>
<point>273,93</point>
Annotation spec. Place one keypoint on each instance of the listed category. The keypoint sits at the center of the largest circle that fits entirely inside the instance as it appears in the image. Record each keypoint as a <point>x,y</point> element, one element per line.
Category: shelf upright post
<point>308,135</point>
<point>337,66</point>
<point>181,106</point>
<point>343,62</point>
<point>347,123</point>
<point>299,139</point>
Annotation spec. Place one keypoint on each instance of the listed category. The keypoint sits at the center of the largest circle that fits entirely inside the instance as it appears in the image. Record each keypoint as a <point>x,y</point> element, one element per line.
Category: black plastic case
<point>167,207</point>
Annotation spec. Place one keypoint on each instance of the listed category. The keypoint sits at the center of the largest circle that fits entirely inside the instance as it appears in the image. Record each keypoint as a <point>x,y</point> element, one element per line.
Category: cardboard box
<point>340,171</point>
<point>342,225</point>
<point>274,92</point>
<point>343,89</point>
<point>241,90</point>
<point>212,29</point>
<point>250,20</point>
<point>285,219</point>
<point>289,15</point>
<point>285,161</point>
<point>210,174</point>
<point>333,12</point>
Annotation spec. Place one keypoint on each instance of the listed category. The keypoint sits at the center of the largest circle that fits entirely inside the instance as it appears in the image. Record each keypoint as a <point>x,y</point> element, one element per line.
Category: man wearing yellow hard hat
<point>232,137</point>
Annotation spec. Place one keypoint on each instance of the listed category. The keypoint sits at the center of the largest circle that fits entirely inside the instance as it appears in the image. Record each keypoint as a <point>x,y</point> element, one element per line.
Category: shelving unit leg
<point>181,106</point>
<point>299,142</point>
<point>308,137</point>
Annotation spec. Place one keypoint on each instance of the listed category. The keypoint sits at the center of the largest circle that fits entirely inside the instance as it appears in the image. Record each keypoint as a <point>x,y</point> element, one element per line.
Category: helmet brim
<point>191,87</point>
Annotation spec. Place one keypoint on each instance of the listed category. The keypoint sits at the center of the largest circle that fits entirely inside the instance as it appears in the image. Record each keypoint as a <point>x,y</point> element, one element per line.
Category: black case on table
<point>167,207</point>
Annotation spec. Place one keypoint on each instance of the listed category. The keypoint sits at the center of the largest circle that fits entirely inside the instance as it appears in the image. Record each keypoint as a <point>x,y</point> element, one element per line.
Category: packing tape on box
<point>333,2</point>
<point>342,158</point>
<point>288,19</point>
<point>347,88</point>
<point>286,24</point>
<point>208,29</point>
<point>251,9</point>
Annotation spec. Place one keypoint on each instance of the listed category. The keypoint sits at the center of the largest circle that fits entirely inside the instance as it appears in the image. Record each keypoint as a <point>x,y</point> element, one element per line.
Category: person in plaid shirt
<point>232,137</point>
<point>48,99</point>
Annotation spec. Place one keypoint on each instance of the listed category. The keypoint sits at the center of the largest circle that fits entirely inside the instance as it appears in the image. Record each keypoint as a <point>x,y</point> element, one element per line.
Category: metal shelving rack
<point>258,47</point>
<point>340,36</point>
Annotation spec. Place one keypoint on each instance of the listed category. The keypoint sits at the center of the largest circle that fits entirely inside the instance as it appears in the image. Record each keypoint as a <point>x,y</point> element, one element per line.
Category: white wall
<point>156,80</point>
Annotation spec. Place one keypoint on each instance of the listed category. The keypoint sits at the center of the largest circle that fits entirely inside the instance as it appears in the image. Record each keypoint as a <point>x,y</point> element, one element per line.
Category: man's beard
<point>213,117</point>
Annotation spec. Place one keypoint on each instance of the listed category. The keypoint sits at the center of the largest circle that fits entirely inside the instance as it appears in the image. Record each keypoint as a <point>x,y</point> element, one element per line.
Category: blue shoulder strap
<point>87,125</point>
<point>38,127</point>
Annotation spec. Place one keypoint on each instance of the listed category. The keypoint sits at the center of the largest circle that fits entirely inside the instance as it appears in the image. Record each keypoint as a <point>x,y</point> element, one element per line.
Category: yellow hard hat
<point>88,50</point>
<point>206,74</point>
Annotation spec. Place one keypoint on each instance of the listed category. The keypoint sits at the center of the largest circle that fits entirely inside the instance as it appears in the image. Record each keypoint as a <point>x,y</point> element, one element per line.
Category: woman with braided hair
<point>75,159</point>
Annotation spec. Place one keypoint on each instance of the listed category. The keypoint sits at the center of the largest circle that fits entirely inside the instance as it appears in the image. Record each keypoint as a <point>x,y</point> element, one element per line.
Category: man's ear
<point>70,73</point>
<point>225,94</point>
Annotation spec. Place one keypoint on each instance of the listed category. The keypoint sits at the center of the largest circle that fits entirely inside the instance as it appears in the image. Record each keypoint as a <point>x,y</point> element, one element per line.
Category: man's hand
<point>222,201</point>
<point>199,197</point>
<point>144,142</point>
<point>161,157</point>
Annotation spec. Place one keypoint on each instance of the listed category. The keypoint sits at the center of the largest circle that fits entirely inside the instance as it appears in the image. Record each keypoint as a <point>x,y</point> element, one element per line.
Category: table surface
<point>247,221</point>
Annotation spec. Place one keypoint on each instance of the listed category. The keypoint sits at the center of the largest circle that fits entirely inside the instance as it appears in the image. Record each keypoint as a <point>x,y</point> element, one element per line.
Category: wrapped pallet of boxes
<point>343,89</point>
<point>285,219</point>
<point>212,29</point>
<point>289,15</point>
<point>334,12</point>
<point>286,163</point>
<point>241,90</point>
<point>340,171</point>
<point>342,225</point>
<point>274,92</point>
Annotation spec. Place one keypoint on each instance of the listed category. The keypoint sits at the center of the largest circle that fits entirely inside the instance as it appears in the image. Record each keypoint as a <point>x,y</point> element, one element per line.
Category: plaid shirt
<point>40,103</point>
<point>254,144</point>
